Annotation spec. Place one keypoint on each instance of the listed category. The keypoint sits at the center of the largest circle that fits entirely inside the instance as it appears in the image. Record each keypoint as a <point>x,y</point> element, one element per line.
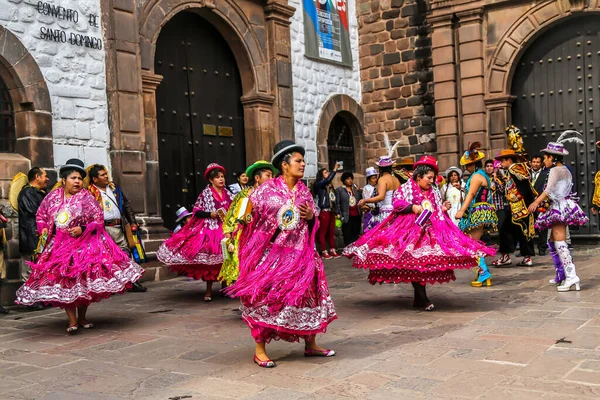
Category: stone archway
<point>31,105</point>
<point>347,108</point>
<point>503,62</point>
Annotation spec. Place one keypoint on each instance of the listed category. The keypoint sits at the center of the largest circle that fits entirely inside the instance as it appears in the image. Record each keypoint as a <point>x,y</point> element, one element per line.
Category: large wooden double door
<point>199,110</point>
<point>557,87</point>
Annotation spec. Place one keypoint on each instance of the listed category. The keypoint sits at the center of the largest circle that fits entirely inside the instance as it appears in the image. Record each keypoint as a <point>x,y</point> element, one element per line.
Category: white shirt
<point>109,204</point>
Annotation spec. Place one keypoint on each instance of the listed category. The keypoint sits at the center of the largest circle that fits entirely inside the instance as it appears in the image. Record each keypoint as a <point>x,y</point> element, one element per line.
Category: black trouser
<point>351,230</point>
<point>510,234</point>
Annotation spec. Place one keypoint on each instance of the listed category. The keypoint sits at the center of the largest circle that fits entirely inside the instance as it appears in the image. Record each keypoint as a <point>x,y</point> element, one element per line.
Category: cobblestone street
<point>518,339</point>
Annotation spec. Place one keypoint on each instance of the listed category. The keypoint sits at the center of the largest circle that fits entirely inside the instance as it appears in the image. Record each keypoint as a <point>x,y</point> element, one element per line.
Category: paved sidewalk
<point>518,339</point>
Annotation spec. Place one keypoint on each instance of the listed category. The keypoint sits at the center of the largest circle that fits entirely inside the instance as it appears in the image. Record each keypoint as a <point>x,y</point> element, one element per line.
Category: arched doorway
<point>7,120</point>
<point>340,142</point>
<point>557,87</point>
<point>199,109</point>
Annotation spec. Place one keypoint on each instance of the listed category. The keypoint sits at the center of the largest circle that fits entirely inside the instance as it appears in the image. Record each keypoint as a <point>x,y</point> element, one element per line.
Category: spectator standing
<point>329,208</point>
<point>539,177</point>
<point>348,196</point>
<point>241,184</point>
<point>29,200</point>
<point>116,208</point>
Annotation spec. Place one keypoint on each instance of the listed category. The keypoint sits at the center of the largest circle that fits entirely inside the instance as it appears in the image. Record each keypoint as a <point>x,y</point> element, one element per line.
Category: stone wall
<point>396,75</point>
<point>314,83</point>
<point>75,75</point>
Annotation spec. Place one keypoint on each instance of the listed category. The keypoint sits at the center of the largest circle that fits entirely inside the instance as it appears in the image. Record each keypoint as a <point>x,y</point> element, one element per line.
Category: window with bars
<point>340,143</point>
<point>7,120</point>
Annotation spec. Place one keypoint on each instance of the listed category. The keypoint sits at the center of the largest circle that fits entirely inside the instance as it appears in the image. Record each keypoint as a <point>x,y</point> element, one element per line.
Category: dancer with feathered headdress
<point>386,186</point>
<point>563,211</point>
<point>477,214</point>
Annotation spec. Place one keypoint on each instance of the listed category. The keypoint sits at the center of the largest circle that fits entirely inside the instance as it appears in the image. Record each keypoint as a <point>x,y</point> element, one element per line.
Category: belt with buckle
<point>112,222</point>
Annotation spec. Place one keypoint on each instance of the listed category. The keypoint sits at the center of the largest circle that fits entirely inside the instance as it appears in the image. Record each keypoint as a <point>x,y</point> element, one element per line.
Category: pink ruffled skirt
<point>268,321</point>
<point>77,272</point>
<point>194,251</point>
<point>400,251</point>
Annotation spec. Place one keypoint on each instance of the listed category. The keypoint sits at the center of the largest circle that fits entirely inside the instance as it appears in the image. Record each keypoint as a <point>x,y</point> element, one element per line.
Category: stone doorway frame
<point>32,109</point>
<point>500,71</point>
<point>353,114</point>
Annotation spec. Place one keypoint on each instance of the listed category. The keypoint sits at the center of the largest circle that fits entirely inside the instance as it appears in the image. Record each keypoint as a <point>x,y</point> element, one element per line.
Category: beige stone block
<point>130,112</point>
<point>470,32</point>
<point>446,126</point>
<point>442,37</point>
<point>471,50</point>
<point>443,55</point>
<point>445,108</point>
<point>497,81</point>
<point>127,72</point>
<point>471,86</point>
<point>505,54</point>
<point>522,32</point>
<point>445,90</point>
<point>125,26</point>
<point>447,144</point>
<point>547,13</point>
<point>473,104</point>
<point>443,73</point>
<point>471,68</point>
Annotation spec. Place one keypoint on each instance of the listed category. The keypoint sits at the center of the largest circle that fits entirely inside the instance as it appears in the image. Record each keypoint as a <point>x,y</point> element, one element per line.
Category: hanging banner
<point>326,33</point>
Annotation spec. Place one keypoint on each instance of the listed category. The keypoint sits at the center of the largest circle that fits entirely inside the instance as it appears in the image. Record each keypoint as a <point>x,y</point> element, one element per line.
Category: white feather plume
<point>389,147</point>
<point>572,140</point>
<point>563,138</point>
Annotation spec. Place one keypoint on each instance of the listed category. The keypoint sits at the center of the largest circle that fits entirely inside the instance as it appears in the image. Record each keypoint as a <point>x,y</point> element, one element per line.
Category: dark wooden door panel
<point>199,110</point>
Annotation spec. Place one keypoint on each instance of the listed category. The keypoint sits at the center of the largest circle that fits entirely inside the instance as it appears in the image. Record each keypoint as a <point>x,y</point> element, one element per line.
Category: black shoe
<point>542,252</point>
<point>138,288</point>
<point>3,311</point>
<point>36,307</point>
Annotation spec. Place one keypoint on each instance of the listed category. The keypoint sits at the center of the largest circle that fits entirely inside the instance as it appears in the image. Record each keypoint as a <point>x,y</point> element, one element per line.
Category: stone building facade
<point>440,74</point>
<point>53,97</point>
<point>396,75</point>
<point>323,91</point>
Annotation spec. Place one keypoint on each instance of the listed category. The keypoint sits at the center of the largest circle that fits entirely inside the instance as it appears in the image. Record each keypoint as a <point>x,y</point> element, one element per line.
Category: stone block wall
<point>75,75</point>
<point>314,83</point>
<point>396,75</point>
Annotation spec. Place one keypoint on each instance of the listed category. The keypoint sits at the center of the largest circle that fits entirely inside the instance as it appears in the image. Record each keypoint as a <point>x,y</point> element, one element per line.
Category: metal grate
<point>7,120</point>
<point>340,143</point>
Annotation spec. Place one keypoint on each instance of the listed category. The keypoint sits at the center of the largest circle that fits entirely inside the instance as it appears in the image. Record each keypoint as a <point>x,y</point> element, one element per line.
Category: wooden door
<point>199,110</point>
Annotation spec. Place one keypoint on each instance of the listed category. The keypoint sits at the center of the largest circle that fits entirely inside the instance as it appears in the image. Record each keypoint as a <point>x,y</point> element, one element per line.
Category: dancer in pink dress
<point>80,263</point>
<point>282,282</point>
<point>195,250</point>
<point>417,243</point>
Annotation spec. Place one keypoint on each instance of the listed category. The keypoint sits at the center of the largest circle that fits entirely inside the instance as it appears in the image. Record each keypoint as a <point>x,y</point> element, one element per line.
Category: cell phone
<point>340,165</point>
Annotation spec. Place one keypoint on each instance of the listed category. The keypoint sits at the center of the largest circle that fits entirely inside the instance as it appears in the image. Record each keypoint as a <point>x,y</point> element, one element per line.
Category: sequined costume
<point>73,272</point>
<point>480,212</point>
<point>400,250</point>
<point>195,250</point>
<point>384,208</point>
<point>233,226</point>
<point>563,205</point>
<point>282,283</point>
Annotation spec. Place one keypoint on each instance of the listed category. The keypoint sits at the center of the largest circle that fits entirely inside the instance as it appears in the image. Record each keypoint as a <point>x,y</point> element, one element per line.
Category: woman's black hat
<point>285,147</point>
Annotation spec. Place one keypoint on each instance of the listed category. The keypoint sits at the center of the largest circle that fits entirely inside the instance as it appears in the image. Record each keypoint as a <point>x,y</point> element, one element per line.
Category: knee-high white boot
<point>572,280</point>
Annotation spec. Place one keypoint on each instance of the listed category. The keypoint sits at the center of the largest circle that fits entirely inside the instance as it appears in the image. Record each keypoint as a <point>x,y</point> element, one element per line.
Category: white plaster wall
<point>315,82</point>
<point>76,76</point>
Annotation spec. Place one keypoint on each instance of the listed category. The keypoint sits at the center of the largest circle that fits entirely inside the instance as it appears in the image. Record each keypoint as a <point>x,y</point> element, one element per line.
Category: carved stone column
<point>277,15</point>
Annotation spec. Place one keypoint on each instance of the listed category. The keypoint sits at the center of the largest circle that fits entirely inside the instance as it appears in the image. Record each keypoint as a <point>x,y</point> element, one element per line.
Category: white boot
<point>567,261</point>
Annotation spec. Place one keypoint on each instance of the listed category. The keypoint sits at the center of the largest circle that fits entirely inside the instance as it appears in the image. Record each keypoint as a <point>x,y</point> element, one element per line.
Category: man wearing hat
<point>519,194</point>
<point>118,214</point>
<point>403,169</point>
